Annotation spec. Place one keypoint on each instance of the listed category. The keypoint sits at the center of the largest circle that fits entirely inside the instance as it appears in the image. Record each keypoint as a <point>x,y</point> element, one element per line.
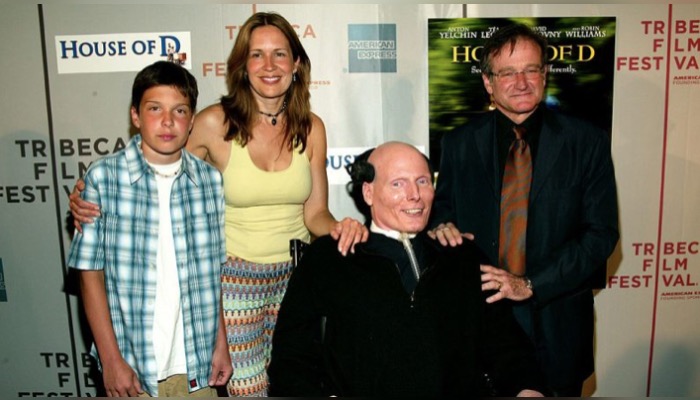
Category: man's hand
<point>509,286</point>
<point>448,234</point>
<point>529,393</point>
<point>349,232</point>
<point>83,211</point>
<point>120,380</point>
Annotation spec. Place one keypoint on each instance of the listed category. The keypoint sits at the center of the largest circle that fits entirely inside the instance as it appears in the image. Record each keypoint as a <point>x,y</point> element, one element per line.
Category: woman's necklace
<point>274,116</point>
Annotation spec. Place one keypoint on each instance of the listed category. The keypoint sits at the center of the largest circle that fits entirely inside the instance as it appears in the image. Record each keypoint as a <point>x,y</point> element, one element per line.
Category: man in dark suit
<point>570,214</point>
<point>405,316</point>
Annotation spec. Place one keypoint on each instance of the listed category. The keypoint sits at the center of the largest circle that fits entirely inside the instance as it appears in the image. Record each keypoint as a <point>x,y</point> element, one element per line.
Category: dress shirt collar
<point>389,233</point>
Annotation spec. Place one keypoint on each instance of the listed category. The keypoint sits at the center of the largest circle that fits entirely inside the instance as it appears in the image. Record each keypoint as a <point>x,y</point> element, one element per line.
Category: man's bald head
<point>401,195</point>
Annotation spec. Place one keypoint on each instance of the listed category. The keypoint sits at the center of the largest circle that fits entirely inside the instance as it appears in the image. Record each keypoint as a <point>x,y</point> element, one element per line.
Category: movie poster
<point>581,60</point>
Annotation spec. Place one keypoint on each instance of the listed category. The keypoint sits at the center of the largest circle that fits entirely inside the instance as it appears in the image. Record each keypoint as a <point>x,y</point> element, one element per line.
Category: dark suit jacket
<point>382,341</point>
<point>572,227</point>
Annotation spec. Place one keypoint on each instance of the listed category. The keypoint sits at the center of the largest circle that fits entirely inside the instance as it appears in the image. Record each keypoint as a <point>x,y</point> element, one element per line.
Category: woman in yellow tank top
<point>271,150</point>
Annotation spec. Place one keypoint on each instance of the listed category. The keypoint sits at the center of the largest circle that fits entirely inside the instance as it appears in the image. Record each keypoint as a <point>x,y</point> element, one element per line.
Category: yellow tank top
<point>264,210</point>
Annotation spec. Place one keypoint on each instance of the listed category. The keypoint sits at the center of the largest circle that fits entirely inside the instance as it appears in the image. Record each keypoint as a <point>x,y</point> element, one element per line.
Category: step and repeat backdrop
<point>379,72</point>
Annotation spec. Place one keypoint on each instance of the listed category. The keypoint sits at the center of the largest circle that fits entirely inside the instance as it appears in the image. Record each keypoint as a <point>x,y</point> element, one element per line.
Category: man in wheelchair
<point>403,315</point>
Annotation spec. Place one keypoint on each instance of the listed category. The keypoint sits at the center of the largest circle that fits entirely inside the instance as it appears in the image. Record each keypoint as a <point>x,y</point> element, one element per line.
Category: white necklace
<point>167,171</point>
<point>164,175</point>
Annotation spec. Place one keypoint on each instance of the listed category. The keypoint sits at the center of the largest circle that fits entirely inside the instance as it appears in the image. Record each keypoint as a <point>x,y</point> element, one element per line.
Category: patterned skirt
<point>251,295</point>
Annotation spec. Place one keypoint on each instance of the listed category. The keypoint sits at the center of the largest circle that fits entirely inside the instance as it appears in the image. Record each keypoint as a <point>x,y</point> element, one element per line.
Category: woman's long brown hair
<point>239,105</point>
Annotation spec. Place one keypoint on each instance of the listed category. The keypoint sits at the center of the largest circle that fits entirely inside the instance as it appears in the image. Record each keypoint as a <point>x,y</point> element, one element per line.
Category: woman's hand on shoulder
<point>83,212</point>
<point>349,232</point>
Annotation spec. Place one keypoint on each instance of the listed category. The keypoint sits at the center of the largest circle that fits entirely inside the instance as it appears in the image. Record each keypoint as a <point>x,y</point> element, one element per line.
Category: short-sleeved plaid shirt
<point>123,242</point>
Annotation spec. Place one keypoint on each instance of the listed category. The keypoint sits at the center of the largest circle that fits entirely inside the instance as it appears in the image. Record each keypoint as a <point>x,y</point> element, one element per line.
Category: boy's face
<point>165,119</point>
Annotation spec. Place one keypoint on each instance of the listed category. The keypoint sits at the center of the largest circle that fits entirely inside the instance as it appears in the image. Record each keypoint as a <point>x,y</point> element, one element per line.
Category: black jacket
<point>382,340</point>
<point>572,227</point>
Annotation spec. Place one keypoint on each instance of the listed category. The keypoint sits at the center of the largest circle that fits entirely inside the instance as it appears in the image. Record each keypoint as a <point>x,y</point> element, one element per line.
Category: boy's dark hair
<point>167,74</point>
<point>505,38</point>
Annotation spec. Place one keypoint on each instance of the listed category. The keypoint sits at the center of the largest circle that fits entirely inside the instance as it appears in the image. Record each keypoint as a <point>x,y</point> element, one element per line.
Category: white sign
<point>339,157</point>
<point>121,52</point>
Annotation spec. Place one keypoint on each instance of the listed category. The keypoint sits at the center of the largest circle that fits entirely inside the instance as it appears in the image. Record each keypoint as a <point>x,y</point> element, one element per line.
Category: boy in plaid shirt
<point>150,264</point>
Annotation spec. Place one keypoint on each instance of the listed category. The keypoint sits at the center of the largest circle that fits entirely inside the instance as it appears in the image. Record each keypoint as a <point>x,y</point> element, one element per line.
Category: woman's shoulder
<point>211,116</point>
<point>316,122</point>
<point>207,138</point>
<point>318,129</point>
<point>317,137</point>
<point>210,124</point>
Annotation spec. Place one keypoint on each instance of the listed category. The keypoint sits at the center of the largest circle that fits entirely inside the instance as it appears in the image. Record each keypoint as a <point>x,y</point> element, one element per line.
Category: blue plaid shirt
<point>123,242</point>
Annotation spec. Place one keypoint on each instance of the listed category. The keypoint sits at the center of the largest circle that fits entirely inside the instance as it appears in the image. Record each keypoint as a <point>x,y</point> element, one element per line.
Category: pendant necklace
<point>274,116</point>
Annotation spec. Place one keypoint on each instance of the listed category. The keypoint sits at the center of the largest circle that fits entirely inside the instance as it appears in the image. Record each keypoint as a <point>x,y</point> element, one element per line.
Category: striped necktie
<point>514,200</point>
